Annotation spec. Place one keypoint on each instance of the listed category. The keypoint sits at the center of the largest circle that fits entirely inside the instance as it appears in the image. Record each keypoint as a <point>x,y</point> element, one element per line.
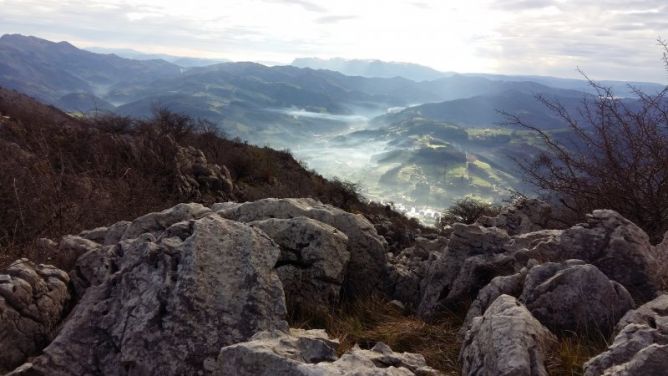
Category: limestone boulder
<point>502,285</point>
<point>636,350</point>
<point>640,347</point>
<point>616,246</point>
<point>106,235</point>
<point>367,249</point>
<point>313,353</point>
<point>574,296</point>
<point>405,270</point>
<point>506,340</point>
<point>653,313</point>
<point>33,301</point>
<point>474,256</point>
<point>166,301</point>
<point>155,223</point>
<point>524,216</point>
<point>313,260</point>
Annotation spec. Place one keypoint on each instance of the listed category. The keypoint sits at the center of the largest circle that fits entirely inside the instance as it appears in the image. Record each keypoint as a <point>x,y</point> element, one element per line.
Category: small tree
<point>467,210</point>
<point>616,156</point>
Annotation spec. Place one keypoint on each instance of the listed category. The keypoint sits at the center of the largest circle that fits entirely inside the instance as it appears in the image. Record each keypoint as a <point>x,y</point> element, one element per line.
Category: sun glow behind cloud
<point>609,38</point>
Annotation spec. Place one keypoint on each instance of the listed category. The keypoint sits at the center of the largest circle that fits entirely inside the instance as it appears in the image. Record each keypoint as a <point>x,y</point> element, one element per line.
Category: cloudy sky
<point>613,39</point>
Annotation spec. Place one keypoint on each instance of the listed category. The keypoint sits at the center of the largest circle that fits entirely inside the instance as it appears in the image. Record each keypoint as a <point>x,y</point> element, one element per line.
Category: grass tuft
<point>372,320</point>
<point>572,351</point>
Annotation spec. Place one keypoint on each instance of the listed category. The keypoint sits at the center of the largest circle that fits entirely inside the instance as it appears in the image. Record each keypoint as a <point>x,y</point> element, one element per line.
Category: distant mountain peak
<point>371,68</point>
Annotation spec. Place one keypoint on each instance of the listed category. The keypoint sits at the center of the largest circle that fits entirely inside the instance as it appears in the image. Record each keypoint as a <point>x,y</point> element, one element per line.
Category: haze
<point>610,39</point>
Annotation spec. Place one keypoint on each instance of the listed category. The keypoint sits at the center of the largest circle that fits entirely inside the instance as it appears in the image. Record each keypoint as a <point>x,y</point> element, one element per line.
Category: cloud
<point>308,5</point>
<point>421,5</point>
<point>333,19</point>
<point>515,5</point>
<point>613,39</point>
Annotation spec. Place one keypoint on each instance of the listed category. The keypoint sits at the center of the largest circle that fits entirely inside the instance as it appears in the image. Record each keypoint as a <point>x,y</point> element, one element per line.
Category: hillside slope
<point>64,174</point>
<point>49,70</point>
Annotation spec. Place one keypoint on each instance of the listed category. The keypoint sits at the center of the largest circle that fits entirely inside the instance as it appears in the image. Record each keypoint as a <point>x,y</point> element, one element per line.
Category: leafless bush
<point>467,210</point>
<point>616,156</point>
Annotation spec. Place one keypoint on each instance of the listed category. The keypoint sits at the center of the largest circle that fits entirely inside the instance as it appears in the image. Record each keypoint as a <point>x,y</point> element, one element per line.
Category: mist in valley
<point>341,153</point>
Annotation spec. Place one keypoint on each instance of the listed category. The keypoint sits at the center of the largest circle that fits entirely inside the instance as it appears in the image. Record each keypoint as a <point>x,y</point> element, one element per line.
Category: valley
<point>417,144</point>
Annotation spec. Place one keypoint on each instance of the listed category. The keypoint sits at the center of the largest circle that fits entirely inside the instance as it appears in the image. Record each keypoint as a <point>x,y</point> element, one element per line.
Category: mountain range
<point>182,61</point>
<point>408,133</point>
<point>416,72</point>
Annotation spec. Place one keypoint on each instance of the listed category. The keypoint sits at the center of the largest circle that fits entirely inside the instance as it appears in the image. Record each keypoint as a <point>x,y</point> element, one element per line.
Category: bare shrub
<point>467,210</point>
<point>615,156</point>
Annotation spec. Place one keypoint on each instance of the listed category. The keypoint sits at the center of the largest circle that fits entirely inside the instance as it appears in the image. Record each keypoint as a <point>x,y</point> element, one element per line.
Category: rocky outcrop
<point>405,271</point>
<point>366,247</point>
<point>313,261</point>
<point>568,296</point>
<point>506,340</point>
<point>33,300</point>
<point>68,250</point>
<point>474,256</point>
<point>641,347</point>
<point>503,285</point>
<point>574,296</point>
<point>107,235</point>
<point>312,353</point>
<point>660,272</point>
<point>616,246</point>
<point>524,216</point>
<point>155,223</point>
<point>197,178</point>
<point>653,313</point>
<point>166,292</point>
<point>166,298</point>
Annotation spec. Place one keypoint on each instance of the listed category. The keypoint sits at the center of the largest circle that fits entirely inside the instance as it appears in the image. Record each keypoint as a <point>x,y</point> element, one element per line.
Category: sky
<point>607,39</point>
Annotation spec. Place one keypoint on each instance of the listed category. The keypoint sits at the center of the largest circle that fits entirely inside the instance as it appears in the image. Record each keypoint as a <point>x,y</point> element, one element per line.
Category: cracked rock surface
<point>313,353</point>
<point>165,299</point>
<point>313,260</point>
<point>474,256</point>
<point>640,348</point>
<point>367,248</point>
<point>506,340</point>
<point>615,245</point>
<point>574,296</point>
<point>32,302</point>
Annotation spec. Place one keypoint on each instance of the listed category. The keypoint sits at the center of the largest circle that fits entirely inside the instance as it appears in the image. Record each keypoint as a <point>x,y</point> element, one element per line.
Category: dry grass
<point>572,351</point>
<point>372,320</point>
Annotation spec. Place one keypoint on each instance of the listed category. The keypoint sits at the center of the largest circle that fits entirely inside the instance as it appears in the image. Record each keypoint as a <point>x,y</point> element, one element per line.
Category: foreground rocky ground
<point>207,290</point>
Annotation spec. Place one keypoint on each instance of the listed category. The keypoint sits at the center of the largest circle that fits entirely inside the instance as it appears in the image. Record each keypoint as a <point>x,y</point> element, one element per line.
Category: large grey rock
<point>636,350</point>
<point>653,313</point>
<point>313,260</point>
<point>574,296</point>
<point>312,353</point>
<point>405,271</point>
<point>474,256</point>
<point>616,246</point>
<point>506,340</point>
<point>527,215</point>
<point>159,221</point>
<point>65,252</point>
<point>169,300</point>
<point>33,299</point>
<point>529,242</point>
<point>502,285</point>
<point>660,272</point>
<point>366,247</point>
<point>106,235</point>
<point>641,347</point>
